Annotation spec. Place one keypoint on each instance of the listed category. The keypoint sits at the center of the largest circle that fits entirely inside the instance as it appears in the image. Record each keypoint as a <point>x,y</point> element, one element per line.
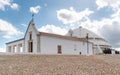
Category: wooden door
<point>30,47</point>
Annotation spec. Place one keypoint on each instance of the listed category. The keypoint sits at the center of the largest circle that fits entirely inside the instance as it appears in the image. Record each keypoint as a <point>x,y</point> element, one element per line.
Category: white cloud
<point>15,6</point>
<point>4,3</point>
<point>2,50</point>
<point>107,27</point>
<point>96,25</point>
<point>118,49</point>
<point>101,3</point>
<point>35,9</point>
<point>53,29</point>
<point>72,16</point>
<point>112,32</point>
<point>8,29</point>
<point>111,3</point>
<point>7,36</point>
<point>24,25</point>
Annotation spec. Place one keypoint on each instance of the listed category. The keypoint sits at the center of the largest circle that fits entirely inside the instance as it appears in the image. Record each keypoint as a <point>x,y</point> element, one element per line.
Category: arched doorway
<point>30,46</point>
<point>30,43</point>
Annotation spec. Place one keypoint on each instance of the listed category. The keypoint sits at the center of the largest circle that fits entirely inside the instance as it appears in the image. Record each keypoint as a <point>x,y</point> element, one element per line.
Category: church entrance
<point>30,47</point>
<point>59,49</point>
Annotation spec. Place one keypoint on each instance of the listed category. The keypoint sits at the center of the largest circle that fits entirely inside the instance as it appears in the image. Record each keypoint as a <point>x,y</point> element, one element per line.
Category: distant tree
<point>117,52</point>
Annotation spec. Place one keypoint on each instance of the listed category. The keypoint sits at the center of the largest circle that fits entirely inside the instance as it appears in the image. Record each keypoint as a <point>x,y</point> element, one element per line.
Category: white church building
<point>73,43</point>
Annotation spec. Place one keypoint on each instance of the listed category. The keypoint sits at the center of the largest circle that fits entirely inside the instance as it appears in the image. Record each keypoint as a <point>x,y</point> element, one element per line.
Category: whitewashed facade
<point>67,46</point>
<point>47,43</point>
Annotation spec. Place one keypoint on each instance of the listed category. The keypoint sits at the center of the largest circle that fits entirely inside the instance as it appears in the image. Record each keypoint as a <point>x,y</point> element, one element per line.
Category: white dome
<point>82,32</point>
<point>94,38</point>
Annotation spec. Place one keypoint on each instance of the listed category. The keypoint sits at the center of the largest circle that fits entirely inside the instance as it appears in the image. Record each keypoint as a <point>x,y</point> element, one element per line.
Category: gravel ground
<point>59,65</point>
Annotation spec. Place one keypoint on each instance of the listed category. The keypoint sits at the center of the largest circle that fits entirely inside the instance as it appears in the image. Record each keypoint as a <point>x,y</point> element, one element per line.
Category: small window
<point>30,36</point>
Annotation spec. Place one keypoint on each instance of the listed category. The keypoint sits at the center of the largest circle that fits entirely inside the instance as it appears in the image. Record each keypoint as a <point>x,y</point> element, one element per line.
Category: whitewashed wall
<point>49,46</point>
<point>16,43</point>
<point>113,51</point>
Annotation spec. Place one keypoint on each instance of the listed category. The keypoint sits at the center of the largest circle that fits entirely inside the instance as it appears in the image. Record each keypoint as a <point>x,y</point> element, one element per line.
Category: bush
<point>116,52</point>
<point>107,51</point>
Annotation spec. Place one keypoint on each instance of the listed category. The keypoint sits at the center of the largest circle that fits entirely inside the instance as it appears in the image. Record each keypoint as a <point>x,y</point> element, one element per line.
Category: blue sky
<point>58,16</point>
